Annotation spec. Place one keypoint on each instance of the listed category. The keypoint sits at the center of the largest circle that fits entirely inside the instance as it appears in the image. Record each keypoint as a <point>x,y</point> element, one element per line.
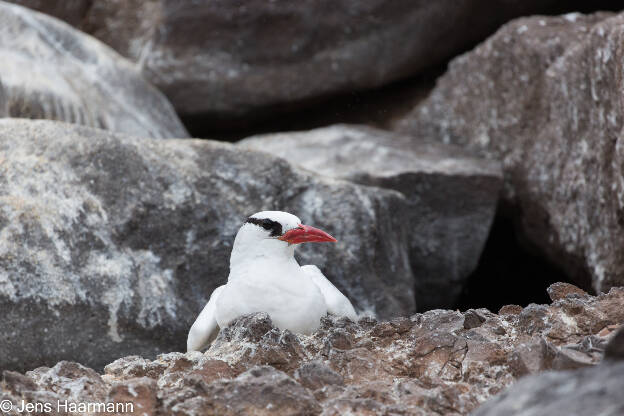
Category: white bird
<point>265,277</point>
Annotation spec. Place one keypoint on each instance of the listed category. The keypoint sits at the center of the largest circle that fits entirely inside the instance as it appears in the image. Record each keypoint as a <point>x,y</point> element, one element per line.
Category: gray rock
<point>50,70</point>
<point>543,96</point>
<point>590,391</point>
<point>451,195</point>
<point>222,59</point>
<point>615,347</point>
<point>111,244</point>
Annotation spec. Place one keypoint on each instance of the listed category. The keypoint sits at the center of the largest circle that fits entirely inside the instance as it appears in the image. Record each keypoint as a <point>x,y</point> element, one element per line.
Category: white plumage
<point>265,277</point>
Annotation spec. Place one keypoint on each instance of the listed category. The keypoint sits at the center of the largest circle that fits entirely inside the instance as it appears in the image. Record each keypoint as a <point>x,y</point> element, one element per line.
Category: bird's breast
<point>295,304</point>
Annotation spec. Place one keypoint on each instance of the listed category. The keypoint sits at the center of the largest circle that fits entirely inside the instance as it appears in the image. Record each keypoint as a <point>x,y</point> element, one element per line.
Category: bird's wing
<point>205,328</point>
<point>337,303</point>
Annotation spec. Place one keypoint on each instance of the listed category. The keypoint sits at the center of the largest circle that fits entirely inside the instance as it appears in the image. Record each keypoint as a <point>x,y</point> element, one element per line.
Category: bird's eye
<point>267,224</point>
<point>273,226</point>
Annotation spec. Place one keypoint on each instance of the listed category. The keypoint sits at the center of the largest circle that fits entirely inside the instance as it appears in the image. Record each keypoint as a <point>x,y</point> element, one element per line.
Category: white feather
<point>204,329</point>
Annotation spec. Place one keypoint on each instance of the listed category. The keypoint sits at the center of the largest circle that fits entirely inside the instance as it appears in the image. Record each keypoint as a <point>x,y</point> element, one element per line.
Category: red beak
<point>306,234</point>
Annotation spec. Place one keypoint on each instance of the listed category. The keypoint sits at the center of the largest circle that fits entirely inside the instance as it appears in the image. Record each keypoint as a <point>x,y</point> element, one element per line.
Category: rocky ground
<point>440,362</point>
<point>115,226</point>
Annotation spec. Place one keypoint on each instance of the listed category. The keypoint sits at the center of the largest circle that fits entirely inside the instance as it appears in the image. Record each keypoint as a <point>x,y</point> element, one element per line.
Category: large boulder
<point>451,195</point>
<point>227,59</point>
<point>440,362</point>
<point>111,245</point>
<point>50,70</point>
<point>544,96</point>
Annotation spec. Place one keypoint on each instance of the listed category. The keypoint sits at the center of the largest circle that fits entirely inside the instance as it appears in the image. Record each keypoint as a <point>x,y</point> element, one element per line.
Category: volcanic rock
<point>544,96</point>
<point>428,364</point>
<point>52,71</point>
<point>451,194</point>
<point>111,245</point>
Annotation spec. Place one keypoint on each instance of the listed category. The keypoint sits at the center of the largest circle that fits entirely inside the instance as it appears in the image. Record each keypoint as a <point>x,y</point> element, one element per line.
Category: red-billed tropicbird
<point>265,277</point>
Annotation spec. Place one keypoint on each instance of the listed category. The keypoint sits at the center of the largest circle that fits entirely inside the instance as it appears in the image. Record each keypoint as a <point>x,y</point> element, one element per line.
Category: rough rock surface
<point>591,391</point>
<point>452,196</point>
<point>123,239</point>
<point>437,363</point>
<point>231,58</point>
<point>50,70</point>
<point>544,96</point>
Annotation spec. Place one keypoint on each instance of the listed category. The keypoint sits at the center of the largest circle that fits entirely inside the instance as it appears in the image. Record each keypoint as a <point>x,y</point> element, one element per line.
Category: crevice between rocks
<point>508,272</point>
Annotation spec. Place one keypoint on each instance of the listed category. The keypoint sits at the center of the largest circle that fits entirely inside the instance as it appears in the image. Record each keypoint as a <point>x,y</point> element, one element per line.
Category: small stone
<point>561,290</point>
<point>510,310</point>
<point>17,383</point>
<point>473,319</point>
<point>315,375</point>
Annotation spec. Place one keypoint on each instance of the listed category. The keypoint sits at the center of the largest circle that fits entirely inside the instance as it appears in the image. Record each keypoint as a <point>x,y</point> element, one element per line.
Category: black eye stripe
<point>269,225</point>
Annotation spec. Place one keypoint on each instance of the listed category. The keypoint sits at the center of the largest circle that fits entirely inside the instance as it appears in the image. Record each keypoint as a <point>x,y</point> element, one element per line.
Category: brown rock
<point>260,391</point>
<point>140,392</point>
<point>561,290</point>
<point>429,364</point>
<point>530,358</point>
<point>315,375</point>
<point>212,370</point>
<point>510,310</point>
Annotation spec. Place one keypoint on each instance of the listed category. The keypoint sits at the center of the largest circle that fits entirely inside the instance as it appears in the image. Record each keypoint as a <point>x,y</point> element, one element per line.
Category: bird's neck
<point>251,254</point>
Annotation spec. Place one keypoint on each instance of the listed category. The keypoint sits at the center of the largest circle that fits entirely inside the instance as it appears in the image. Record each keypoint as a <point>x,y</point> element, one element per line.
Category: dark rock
<point>111,244</point>
<point>451,195</point>
<point>473,319</point>
<point>50,70</point>
<point>590,391</point>
<point>615,348</point>
<point>223,60</point>
<point>543,96</point>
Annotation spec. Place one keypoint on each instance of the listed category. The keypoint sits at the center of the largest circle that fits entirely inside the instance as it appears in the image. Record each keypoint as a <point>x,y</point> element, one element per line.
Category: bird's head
<point>285,227</point>
<point>273,234</point>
